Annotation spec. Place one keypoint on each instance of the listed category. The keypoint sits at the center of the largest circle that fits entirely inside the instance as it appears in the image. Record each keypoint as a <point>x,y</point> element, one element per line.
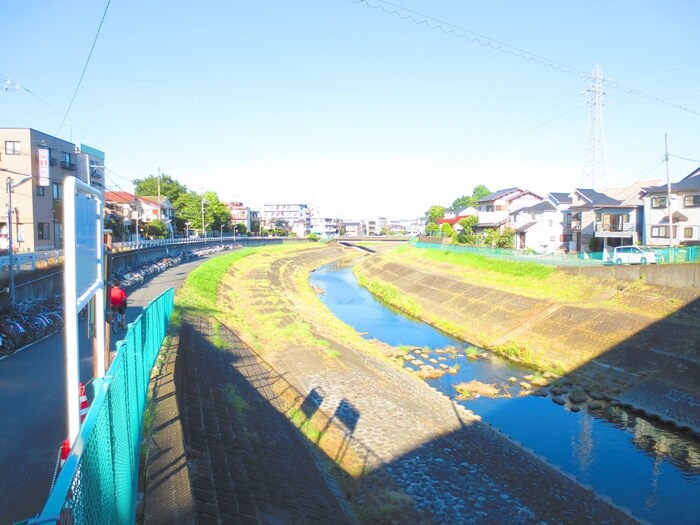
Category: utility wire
<point>75,93</point>
<point>485,41</point>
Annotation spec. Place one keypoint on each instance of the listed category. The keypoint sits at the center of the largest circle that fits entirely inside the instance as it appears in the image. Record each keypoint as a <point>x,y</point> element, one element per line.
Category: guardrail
<point>99,480</point>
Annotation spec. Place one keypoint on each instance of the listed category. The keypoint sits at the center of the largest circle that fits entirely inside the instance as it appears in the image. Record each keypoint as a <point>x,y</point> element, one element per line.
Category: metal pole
<point>9,241</point>
<point>668,200</point>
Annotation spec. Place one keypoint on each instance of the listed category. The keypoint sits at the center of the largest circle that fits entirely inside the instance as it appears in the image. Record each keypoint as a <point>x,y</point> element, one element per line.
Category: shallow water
<point>641,464</point>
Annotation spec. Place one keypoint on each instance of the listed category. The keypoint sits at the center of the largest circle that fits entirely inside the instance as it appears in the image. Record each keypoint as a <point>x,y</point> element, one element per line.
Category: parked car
<point>633,255</point>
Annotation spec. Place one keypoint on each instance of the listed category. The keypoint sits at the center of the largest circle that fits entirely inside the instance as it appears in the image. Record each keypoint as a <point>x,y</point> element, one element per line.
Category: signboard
<point>43,166</point>
<point>82,281</point>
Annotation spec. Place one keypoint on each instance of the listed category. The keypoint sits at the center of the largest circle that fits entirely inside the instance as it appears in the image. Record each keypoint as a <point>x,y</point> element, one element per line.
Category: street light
<point>10,187</point>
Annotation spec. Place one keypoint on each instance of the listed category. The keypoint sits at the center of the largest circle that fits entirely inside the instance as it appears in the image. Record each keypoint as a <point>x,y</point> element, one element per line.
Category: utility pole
<point>10,188</point>
<point>668,199</point>
<point>158,192</point>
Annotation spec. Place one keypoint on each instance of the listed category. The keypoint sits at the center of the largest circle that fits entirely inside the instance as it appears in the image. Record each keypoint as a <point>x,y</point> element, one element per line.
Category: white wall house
<point>494,210</point>
<point>683,228</point>
<point>295,217</point>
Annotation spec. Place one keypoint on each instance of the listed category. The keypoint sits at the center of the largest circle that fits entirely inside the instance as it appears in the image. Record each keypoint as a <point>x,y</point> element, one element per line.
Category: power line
<point>75,93</point>
<point>485,41</point>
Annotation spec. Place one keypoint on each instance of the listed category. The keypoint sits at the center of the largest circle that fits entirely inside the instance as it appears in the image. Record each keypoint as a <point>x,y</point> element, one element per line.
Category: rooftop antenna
<point>594,171</point>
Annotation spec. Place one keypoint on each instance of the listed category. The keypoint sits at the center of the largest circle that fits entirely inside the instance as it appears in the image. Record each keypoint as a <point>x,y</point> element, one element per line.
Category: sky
<point>358,108</point>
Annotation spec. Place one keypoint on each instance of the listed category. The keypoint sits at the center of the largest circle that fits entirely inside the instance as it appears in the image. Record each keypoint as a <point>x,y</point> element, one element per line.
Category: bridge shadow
<point>256,446</point>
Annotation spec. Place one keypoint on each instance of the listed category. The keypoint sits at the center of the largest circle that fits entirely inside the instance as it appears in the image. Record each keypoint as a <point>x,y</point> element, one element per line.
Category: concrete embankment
<point>649,360</point>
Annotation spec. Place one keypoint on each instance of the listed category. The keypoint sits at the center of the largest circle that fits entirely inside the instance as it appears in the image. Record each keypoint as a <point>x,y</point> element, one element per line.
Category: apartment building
<point>35,165</point>
<point>294,218</point>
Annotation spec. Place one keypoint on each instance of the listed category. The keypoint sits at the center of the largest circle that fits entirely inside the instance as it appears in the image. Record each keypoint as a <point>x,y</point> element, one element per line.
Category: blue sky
<point>351,108</point>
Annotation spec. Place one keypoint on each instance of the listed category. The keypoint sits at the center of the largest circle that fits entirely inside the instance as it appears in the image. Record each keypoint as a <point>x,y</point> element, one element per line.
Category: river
<point>648,467</point>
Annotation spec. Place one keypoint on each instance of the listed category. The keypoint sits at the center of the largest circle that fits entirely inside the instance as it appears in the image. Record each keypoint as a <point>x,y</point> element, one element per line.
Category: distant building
<point>323,226</point>
<point>240,214</point>
<point>294,218</point>
<point>494,210</point>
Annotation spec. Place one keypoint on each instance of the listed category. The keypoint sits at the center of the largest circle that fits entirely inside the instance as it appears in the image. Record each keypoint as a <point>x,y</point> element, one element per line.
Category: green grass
<point>199,294</point>
<point>389,294</point>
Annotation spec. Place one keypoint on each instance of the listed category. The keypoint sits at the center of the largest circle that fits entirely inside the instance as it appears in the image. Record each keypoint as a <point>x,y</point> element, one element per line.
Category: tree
<point>435,213</point>
<point>154,229</point>
<point>189,206</point>
<point>468,223</point>
<point>432,228</point>
<point>169,187</point>
<point>461,202</point>
<point>479,192</point>
<point>447,230</point>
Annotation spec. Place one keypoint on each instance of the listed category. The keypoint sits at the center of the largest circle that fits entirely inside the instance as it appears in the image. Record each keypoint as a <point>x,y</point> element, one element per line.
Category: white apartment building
<point>290,217</point>
<point>324,226</point>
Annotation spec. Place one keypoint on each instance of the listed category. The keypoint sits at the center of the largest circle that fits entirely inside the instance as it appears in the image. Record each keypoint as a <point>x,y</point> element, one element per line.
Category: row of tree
<point>187,206</point>
<point>466,235</point>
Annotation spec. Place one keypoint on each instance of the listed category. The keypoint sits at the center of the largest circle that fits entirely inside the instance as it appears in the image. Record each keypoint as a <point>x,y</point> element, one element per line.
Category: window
<point>659,231</point>
<point>598,217</point>
<point>57,191</point>
<point>691,201</point>
<point>12,147</point>
<point>550,223</point>
<point>659,202</point>
<point>43,230</point>
<point>40,191</point>
<point>688,232</point>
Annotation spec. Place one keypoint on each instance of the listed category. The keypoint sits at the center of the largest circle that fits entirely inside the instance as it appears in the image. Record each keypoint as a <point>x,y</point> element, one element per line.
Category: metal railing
<point>99,480</point>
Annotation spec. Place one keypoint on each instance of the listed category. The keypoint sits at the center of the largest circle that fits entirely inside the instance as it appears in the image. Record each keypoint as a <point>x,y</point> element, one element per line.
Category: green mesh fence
<point>98,483</point>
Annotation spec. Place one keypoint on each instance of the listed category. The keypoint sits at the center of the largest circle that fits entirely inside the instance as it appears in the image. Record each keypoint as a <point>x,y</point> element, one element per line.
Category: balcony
<point>70,166</point>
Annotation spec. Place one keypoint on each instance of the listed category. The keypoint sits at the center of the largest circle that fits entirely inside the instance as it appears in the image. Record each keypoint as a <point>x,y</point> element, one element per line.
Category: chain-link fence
<point>98,482</point>
<point>664,255</point>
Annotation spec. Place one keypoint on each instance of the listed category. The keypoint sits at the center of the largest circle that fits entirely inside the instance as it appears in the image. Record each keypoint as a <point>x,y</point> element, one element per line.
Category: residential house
<point>683,228</point>
<point>538,227</point>
<point>585,206</point>
<point>135,211</point>
<point>615,217</point>
<point>453,218</point>
<point>240,214</point>
<point>36,165</point>
<point>494,210</point>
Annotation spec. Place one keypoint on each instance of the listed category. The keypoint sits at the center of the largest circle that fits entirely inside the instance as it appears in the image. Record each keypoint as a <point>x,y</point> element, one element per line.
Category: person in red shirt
<point>117,300</point>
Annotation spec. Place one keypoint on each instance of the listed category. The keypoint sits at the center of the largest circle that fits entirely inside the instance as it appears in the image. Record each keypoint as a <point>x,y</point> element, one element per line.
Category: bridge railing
<point>99,480</point>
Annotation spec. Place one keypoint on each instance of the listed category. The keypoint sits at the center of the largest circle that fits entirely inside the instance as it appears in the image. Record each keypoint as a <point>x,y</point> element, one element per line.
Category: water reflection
<point>640,463</point>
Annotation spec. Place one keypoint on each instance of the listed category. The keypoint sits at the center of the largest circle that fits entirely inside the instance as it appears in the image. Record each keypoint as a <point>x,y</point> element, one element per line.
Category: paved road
<point>33,409</point>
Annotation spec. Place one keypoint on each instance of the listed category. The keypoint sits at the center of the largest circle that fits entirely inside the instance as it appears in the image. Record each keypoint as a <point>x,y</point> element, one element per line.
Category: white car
<point>633,255</point>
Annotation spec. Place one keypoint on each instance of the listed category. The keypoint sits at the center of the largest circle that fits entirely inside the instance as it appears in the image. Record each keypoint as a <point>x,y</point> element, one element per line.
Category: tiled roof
<point>497,195</point>
<point>596,198</point>
<point>691,182</point>
<point>539,207</point>
<point>561,198</point>
<point>121,197</point>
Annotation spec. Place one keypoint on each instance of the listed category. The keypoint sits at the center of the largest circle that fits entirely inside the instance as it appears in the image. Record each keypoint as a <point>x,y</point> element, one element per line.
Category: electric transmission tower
<point>594,173</point>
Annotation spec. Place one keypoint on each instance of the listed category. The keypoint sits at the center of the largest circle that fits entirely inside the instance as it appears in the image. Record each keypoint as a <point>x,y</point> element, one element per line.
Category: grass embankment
<point>269,303</point>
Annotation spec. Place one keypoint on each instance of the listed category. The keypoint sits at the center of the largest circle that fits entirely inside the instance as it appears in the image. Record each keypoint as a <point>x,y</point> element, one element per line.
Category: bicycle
<point>115,322</point>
